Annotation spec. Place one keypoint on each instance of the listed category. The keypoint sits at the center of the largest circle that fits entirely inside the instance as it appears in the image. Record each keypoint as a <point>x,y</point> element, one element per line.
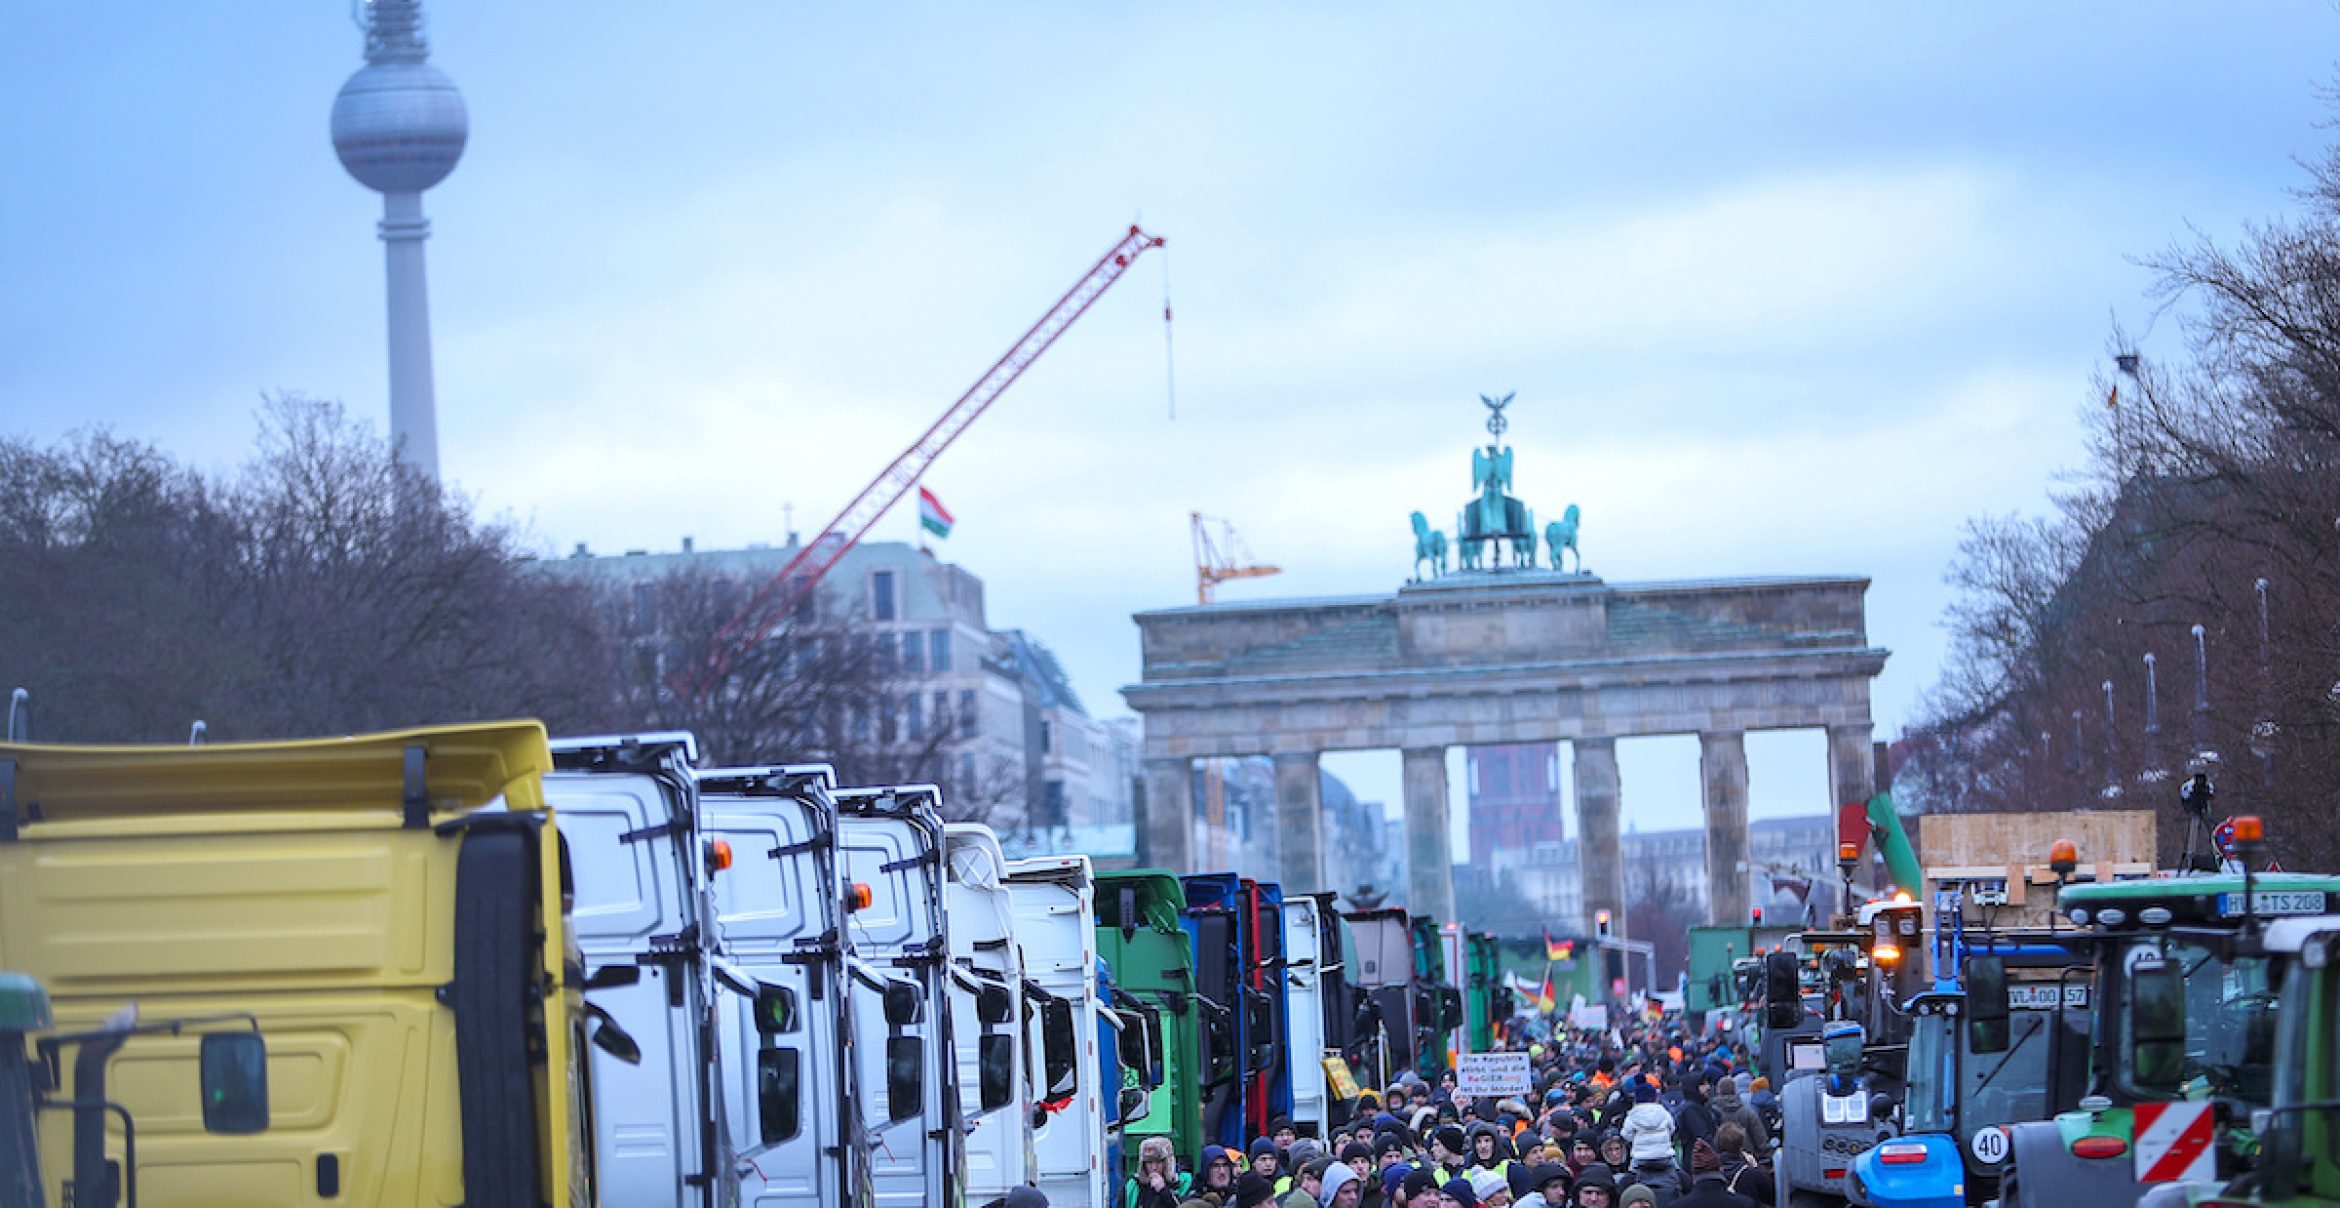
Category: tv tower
<point>399,126</point>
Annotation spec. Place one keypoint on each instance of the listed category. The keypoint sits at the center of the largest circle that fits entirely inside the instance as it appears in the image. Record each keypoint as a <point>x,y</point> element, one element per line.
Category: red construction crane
<point>780,597</point>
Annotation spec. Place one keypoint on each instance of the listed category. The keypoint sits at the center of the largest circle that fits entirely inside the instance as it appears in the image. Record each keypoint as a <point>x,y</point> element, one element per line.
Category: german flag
<point>1558,950</point>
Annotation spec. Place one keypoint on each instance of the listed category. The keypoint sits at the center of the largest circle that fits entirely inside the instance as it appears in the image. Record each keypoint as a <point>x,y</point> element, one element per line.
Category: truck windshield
<point>2230,1024</point>
<point>2003,1088</point>
<point>1927,1107</point>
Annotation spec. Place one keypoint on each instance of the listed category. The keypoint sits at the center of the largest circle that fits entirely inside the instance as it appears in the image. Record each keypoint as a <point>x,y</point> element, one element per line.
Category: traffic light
<point>1601,923</point>
<point>1755,916</point>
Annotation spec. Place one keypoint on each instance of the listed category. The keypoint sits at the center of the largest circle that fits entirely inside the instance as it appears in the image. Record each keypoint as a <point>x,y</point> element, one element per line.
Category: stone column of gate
<point>1852,780</point>
<point>1299,823</point>
<point>1600,858</point>
<point>1722,767</point>
<point>1165,828</point>
<point>1852,774</point>
<point>1429,857</point>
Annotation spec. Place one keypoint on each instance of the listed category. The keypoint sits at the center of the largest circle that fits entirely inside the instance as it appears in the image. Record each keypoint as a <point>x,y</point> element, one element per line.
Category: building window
<point>942,712</point>
<point>917,718</point>
<point>939,650</point>
<point>967,775</point>
<point>881,595</point>
<point>1047,738</point>
<point>967,717</point>
<point>889,730</point>
<point>913,655</point>
<point>885,653</point>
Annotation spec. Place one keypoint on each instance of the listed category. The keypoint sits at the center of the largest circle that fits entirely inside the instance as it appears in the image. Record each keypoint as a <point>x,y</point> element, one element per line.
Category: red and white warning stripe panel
<point>2175,1143</point>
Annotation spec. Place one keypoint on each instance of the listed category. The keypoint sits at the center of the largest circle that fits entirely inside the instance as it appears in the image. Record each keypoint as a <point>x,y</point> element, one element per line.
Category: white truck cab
<point>792,1094</point>
<point>1304,990</point>
<point>1078,1129</point>
<point>988,1008</point>
<point>628,808</point>
<point>891,841</point>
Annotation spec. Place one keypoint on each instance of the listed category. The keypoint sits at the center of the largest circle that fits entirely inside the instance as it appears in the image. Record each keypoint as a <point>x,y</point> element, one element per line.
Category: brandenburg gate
<point>1503,651</point>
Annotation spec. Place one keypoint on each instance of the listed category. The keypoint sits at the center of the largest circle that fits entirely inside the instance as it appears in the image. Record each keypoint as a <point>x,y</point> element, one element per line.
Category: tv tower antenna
<point>399,126</point>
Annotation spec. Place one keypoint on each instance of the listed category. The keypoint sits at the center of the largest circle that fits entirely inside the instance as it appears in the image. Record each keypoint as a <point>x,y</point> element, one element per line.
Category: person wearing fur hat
<point>1158,1182</point>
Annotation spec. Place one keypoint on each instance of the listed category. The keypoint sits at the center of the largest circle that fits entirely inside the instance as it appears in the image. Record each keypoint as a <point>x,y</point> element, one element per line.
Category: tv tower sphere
<point>399,127</point>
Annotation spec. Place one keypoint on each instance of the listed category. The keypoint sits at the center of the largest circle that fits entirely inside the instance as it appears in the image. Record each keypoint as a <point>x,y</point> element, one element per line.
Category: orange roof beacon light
<point>2063,858</point>
<point>1901,897</point>
<point>718,855</point>
<point>2249,830</point>
<point>858,896</point>
<point>1848,854</point>
<point>1886,954</point>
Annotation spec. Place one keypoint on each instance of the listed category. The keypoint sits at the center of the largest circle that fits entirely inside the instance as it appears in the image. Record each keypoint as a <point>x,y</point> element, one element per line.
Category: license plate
<point>2041,998</point>
<point>2277,901</point>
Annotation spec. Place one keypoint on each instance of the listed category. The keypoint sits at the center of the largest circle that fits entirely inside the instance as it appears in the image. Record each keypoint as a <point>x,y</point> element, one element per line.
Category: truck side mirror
<point>1136,1104</point>
<point>1451,1007</point>
<point>1061,1053</point>
<point>1986,1003</point>
<point>2157,1025</point>
<point>234,1078</point>
<point>901,1003</point>
<point>996,1075</point>
<point>992,1004</point>
<point>1783,992</point>
<point>905,1076</point>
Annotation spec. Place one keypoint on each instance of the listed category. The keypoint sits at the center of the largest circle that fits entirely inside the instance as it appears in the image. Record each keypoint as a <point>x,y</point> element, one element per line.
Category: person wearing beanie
<point>1302,1152</point>
<point>1448,1152</point>
<point>1636,1196</point>
<point>1264,1159</point>
<point>1648,1131</point>
<point>1491,1189</point>
<point>1708,1187</point>
<point>1393,1177</point>
<point>1341,1189</point>
<point>1456,1193</point>
<point>1025,1197</point>
<point>1358,1157</point>
<point>1252,1191</point>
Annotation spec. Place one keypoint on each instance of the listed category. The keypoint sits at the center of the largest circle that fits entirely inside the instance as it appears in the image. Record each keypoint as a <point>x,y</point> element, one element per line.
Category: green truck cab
<point>1139,937</point>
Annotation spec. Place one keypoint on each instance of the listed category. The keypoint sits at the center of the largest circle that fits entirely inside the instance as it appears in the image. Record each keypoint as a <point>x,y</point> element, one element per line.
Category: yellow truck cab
<point>388,910</point>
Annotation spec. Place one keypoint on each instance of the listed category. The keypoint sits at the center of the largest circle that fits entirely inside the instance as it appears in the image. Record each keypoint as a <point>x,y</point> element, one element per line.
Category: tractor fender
<point>2041,1172</point>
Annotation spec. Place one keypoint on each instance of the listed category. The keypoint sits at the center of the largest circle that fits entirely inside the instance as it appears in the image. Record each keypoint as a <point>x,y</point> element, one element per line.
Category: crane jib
<point>803,573</point>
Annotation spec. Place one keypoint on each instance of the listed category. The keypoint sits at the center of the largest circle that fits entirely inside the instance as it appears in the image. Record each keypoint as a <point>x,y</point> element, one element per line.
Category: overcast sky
<point>1782,289</point>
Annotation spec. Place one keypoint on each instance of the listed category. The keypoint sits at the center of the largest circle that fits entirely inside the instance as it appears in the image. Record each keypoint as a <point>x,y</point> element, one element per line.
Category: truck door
<point>1304,991</point>
<point>778,1004</point>
<point>908,1085</point>
<point>657,1126</point>
<point>1055,924</point>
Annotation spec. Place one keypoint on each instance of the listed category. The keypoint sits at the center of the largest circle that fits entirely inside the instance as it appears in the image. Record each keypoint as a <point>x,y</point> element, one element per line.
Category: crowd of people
<point>1642,1114</point>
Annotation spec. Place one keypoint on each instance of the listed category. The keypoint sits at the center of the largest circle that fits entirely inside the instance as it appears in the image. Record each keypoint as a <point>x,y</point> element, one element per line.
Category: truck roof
<point>464,767</point>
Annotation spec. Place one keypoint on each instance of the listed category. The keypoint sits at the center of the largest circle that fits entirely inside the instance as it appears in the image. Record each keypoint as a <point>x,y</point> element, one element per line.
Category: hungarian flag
<point>1558,950</point>
<point>932,516</point>
<point>1545,1002</point>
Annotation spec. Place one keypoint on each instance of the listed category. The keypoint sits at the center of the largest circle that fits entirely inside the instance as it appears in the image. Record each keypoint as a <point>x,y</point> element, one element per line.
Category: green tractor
<point>2184,1035</point>
<point>2298,1160</point>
